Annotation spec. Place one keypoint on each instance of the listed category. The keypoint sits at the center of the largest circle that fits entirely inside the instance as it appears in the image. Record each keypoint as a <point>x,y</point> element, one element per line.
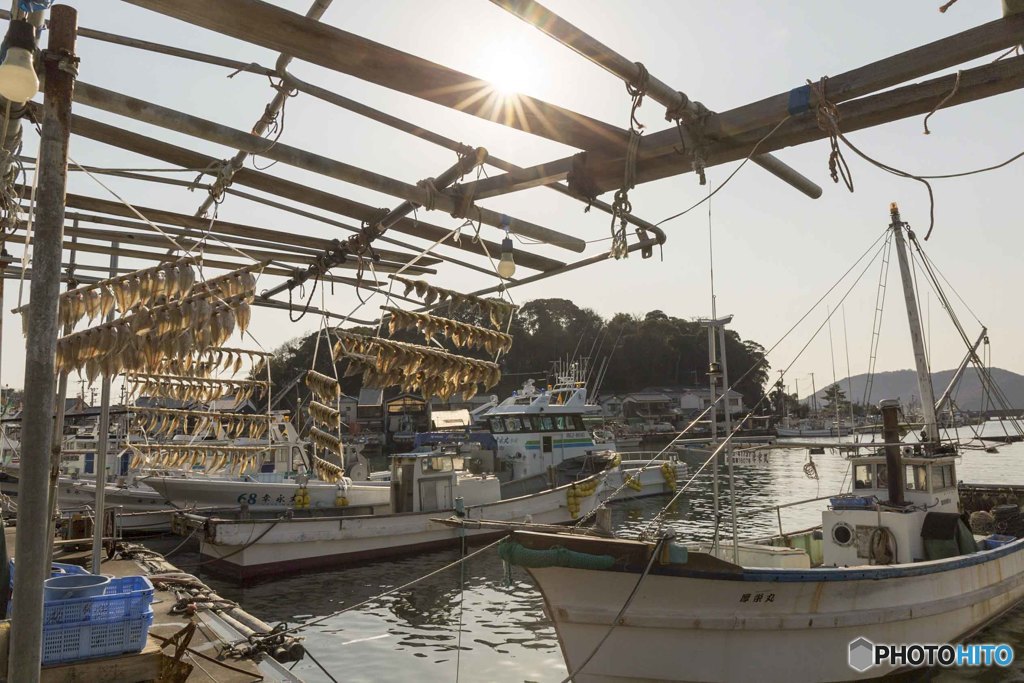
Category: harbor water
<point>415,633</point>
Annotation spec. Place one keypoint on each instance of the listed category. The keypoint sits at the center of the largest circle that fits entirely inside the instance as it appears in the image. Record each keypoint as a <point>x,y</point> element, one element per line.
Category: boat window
<point>917,478</point>
<point>512,424</point>
<point>497,426</point>
<point>944,477</point>
<point>863,477</point>
<point>441,463</point>
<point>577,423</point>
<point>561,423</point>
<point>882,475</point>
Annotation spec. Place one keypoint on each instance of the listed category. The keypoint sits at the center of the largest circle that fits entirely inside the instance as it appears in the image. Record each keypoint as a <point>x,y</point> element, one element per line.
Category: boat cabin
<point>866,528</point>
<point>435,480</point>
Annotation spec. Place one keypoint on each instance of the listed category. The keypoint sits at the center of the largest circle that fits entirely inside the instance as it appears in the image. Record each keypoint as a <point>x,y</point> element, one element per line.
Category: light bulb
<point>18,80</point>
<point>506,266</point>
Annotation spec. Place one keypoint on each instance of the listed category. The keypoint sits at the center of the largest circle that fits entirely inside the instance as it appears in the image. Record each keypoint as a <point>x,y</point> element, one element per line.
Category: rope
<point>432,192</point>
<point>827,115</point>
<point>947,6</point>
<point>637,89</point>
<point>942,102</point>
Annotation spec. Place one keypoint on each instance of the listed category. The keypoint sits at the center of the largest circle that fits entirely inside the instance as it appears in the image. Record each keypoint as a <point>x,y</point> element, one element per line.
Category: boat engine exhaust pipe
<point>890,408</point>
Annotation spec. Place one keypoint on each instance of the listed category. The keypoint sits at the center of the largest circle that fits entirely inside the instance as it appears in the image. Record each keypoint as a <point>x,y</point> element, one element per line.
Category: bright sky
<point>776,251</point>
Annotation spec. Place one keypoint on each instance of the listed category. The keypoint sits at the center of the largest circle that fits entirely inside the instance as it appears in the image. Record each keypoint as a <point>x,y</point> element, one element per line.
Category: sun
<point>504,67</point>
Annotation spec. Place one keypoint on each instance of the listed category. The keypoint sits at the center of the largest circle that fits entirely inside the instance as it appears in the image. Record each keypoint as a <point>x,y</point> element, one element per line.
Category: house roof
<point>647,398</point>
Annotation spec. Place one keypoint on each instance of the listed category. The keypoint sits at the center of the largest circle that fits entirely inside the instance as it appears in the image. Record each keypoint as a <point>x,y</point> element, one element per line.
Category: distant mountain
<point>902,384</point>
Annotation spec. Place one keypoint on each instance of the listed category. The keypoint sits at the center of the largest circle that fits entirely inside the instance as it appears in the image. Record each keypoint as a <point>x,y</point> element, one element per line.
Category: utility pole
<point>40,350</point>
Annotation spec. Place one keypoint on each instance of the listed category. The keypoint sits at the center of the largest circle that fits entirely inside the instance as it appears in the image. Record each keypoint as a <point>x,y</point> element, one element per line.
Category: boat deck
<point>208,653</point>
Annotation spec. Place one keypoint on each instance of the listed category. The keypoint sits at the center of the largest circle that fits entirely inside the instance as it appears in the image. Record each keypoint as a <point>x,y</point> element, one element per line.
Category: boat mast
<point>924,379</point>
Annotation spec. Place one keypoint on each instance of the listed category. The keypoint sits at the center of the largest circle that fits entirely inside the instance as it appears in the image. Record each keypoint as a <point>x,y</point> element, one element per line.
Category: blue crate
<point>124,598</point>
<point>995,541</point>
<point>852,502</point>
<point>73,642</point>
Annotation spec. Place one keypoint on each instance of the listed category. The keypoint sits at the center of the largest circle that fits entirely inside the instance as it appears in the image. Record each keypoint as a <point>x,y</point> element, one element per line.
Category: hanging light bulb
<point>18,80</point>
<point>506,266</point>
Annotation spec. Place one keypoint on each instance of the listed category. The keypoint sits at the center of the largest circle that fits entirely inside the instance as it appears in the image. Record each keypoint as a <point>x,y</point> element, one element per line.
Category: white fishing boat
<point>892,563</point>
<point>813,428</point>
<point>542,439</point>
<point>273,481</point>
<point>425,489</point>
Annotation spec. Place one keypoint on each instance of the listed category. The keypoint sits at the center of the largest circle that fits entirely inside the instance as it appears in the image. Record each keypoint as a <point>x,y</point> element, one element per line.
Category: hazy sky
<point>776,251</point>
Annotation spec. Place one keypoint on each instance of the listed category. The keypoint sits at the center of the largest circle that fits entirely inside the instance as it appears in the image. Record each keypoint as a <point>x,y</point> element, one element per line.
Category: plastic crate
<point>852,502</point>
<point>124,598</point>
<point>72,642</point>
<point>996,541</point>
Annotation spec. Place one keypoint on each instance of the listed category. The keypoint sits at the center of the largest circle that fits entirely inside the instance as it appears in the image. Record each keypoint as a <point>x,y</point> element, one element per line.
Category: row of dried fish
<point>327,471</point>
<point>231,459</point>
<point>230,284</point>
<point>496,310</point>
<point>461,334</point>
<point>328,442</point>
<point>385,362</point>
<point>326,388</point>
<point>325,415</point>
<point>194,389</point>
<point>123,292</point>
<point>168,421</point>
<point>143,340</point>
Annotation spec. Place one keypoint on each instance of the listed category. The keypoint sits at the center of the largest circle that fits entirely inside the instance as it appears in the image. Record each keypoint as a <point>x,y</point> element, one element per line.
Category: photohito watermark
<point>864,654</point>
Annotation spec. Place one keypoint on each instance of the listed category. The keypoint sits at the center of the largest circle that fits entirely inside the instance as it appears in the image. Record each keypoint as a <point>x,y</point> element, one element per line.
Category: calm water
<point>505,637</point>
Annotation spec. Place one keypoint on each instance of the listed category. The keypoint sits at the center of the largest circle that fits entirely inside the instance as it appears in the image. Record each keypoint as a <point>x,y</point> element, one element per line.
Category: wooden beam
<point>677,104</point>
<point>186,158</point>
<point>944,53</point>
<point>278,29</point>
<point>602,174</point>
<point>204,129</point>
<point>115,208</point>
<point>912,100</point>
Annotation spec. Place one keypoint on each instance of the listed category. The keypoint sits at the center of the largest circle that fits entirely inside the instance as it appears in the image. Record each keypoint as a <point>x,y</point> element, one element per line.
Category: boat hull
<point>264,496</point>
<point>756,624</point>
<point>287,545</point>
<point>647,480</point>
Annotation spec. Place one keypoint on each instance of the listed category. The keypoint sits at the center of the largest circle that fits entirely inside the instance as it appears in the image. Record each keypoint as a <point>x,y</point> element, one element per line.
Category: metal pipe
<point>891,435</point>
<point>102,441</point>
<point>728,448</point>
<point>677,104</point>
<point>971,353</point>
<point>132,107</point>
<point>40,350</point>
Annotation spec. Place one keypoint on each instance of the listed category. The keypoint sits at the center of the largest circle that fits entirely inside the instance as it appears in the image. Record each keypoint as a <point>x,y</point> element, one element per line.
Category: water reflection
<point>505,635</point>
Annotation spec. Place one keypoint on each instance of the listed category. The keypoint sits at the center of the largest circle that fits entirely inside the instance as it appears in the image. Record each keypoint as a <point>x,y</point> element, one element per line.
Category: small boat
<point>427,493</point>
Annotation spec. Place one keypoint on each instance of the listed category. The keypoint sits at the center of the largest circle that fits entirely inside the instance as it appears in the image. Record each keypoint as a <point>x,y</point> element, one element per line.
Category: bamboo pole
<point>676,103</point>
<point>283,31</point>
<point>180,122</point>
<point>179,156</point>
<point>37,436</point>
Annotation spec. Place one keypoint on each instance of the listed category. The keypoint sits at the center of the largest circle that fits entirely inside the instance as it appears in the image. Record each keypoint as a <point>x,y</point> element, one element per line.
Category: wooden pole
<point>328,201</point>
<point>157,115</point>
<point>282,31</point>
<point>40,348</point>
<point>102,443</point>
<point>270,113</point>
<point>675,102</point>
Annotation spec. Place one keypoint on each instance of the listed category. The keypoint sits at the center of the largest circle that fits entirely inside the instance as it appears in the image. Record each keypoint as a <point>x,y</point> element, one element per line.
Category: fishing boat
<point>270,485</point>
<point>813,428</point>
<point>426,493</point>
<point>892,563</point>
<point>542,440</point>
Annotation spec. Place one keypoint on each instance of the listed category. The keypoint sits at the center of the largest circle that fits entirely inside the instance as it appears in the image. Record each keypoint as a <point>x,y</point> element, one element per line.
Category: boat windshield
<point>440,463</point>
